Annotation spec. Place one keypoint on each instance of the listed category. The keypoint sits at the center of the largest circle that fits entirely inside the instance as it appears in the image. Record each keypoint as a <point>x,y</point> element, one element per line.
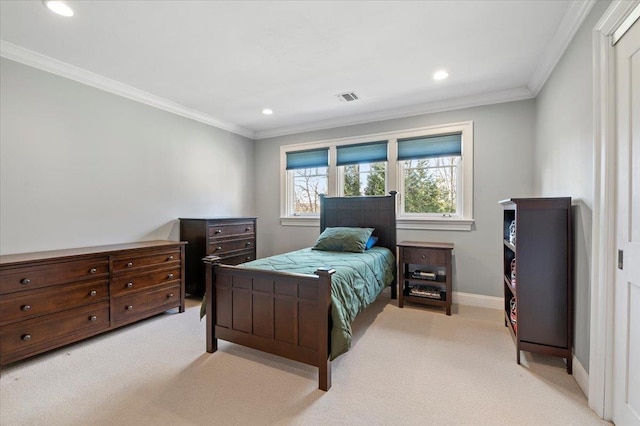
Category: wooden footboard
<point>276,312</point>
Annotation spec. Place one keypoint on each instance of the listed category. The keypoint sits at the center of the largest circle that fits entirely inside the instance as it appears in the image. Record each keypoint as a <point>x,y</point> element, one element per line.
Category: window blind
<point>430,146</point>
<point>370,152</point>
<point>308,159</point>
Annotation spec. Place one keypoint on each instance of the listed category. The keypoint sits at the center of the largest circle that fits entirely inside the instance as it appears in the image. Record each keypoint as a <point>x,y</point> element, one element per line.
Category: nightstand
<point>425,273</point>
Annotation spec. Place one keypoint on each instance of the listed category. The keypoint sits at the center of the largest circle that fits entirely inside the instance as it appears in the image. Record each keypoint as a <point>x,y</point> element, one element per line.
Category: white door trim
<point>603,225</point>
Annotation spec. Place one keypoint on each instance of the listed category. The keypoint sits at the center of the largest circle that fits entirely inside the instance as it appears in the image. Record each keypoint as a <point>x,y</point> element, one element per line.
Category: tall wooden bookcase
<point>538,275</point>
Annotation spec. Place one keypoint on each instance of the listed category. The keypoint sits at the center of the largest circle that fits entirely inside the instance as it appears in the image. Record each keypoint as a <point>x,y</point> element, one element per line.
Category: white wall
<point>564,158</point>
<point>503,168</point>
<point>83,167</point>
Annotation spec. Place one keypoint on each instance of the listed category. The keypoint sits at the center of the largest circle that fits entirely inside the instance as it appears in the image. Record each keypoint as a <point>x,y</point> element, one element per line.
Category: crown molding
<point>45,63</point>
<point>574,16</point>
<point>54,66</point>
<point>509,95</point>
<point>615,16</point>
<point>571,21</point>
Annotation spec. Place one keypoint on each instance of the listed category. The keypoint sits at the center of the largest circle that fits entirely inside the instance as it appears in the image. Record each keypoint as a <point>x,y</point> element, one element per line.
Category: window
<point>430,174</point>
<point>363,168</point>
<point>308,178</point>
<point>431,168</point>
<point>364,179</point>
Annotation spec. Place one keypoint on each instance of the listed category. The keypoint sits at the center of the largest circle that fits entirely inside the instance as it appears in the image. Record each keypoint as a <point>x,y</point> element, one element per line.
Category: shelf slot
<point>507,281</point>
<point>509,246</point>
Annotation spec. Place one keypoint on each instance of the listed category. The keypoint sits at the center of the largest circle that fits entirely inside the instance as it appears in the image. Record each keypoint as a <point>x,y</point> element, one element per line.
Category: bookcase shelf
<point>512,288</point>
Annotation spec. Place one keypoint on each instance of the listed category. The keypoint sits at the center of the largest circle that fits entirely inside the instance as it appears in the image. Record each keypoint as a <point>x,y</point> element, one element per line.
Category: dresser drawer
<point>424,256</point>
<point>227,246</point>
<point>29,304</point>
<point>131,283</point>
<point>237,259</point>
<point>130,263</point>
<point>44,275</point>
<point>129,308</point>
<point>39,334</point>
<point>225,230</point>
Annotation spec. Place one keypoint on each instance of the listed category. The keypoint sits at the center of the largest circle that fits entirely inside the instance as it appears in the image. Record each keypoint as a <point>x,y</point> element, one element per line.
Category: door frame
<point>603,248</point>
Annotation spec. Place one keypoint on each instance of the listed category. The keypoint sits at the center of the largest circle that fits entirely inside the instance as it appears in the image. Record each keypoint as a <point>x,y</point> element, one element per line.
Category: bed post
<point>210,295</point>
<point>393,244</point>
<point>324,334</point>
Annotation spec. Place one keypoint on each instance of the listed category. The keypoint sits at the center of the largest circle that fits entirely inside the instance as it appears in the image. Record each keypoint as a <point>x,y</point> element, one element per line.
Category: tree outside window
<point>308,184</point>
<point>365,179</point>
<point>430,185</point>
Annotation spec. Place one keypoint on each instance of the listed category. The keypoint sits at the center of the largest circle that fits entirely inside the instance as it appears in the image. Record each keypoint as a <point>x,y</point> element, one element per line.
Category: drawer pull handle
<point>25,281</point>
<point>93,293</point>
<point>170,276</point>
<point>248,243</point>
<point>93,318</point>
<point>26,337</point>
<point>129,307</point>
<point>129,265</point>
<point>248,257</point>
<point>170,295</point>
<point>218,248</point>
<point>170,258</point>
<point>247,229</point>
<point>93,270</point>
<point>129,285</point>
<point>424,256</point>
<point>218,231</point>
<point>26,308</point>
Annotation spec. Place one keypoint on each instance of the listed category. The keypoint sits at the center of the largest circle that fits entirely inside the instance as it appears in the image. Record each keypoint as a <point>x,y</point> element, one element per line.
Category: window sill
<point>309,221</point>
<point>426,224</point>
<point>444,224</point>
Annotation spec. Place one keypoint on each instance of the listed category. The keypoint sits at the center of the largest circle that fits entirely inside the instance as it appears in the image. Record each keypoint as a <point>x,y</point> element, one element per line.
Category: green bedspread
<point>359,279</point>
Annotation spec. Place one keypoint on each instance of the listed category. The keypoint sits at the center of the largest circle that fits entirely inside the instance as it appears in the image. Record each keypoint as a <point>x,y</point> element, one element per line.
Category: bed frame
<point>289,314</point>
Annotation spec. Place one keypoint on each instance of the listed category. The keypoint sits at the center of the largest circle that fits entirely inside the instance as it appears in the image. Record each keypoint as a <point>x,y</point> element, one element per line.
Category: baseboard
<point>581,376</point>
<point>482,301</point>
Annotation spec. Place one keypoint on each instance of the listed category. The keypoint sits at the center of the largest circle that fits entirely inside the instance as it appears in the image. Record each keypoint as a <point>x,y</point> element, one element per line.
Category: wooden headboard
<point>377,212</point>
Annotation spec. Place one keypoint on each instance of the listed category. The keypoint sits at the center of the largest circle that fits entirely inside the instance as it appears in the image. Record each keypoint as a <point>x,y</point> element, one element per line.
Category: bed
<point>295,308</point>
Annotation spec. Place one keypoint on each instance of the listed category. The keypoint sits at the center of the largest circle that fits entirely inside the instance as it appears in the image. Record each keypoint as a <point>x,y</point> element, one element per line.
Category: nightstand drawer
<point>424,256</point>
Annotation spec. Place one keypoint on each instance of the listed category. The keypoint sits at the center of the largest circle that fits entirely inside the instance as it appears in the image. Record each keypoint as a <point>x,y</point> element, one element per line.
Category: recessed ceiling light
<point>440,75</point>
<point>58,7</point>
<point>267,111</point>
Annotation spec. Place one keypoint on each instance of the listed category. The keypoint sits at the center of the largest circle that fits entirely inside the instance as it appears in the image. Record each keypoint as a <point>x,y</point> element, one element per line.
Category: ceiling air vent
<point>347,97</point>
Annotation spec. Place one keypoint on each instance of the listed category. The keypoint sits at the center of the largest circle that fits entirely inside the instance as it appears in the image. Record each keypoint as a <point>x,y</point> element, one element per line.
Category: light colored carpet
<point>411,366</point>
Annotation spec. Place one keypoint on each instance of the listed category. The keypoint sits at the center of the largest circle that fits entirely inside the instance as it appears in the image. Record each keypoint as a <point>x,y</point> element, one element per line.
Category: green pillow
<point>343,239</point>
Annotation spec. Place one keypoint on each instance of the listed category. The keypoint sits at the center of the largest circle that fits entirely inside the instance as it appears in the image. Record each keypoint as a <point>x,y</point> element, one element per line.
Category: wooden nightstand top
<point>424,244</point>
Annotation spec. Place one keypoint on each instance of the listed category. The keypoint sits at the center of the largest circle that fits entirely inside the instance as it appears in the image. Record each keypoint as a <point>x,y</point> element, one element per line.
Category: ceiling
<point>223,62</point>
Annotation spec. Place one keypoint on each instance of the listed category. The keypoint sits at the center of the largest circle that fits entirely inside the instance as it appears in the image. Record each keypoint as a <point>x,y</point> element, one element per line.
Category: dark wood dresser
<point>53,298</point>
<point>232,239</point>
